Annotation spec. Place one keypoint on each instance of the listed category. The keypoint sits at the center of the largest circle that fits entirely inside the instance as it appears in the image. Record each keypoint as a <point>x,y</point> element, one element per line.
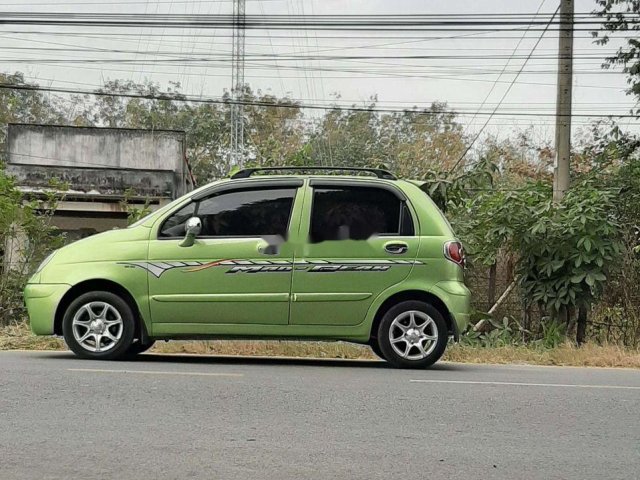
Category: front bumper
<point>42,300</point>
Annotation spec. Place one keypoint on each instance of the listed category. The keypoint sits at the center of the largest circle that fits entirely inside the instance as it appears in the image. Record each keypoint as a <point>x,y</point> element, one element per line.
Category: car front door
<point>361,241</point>
<point>238,271</point>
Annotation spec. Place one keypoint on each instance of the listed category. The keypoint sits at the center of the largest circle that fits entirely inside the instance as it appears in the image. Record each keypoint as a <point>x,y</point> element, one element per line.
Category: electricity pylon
<point>237,84</point>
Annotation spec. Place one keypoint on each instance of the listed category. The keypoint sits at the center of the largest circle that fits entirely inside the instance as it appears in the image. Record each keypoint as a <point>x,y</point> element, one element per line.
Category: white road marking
<point>524,384</point>
<point>155,372</point>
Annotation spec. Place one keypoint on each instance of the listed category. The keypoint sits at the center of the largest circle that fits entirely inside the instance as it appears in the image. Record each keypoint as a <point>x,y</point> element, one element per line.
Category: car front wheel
<point>99,325</point>
<point>412,334</point>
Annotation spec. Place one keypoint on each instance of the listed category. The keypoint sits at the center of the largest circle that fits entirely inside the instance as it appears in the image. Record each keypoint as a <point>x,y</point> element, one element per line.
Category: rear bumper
<point>457,298</point>
<point>459,322</point>
<point>42,300</point>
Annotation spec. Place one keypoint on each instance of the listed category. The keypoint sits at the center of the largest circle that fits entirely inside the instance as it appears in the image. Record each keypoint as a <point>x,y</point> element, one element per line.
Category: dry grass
<point>589,355</point>
<point>271,348</point>
<point>18,336</point>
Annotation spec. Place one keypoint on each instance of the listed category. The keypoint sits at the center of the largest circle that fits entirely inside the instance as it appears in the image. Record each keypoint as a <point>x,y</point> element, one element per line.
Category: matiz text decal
<point>274,266</point>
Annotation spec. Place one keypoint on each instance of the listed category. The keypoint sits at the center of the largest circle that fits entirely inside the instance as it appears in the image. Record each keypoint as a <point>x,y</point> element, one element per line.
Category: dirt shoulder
<point>18,337</point>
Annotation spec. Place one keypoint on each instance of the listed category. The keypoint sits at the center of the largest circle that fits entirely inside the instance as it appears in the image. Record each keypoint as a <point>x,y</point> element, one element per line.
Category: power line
<point>348,73</point>
<point>132,2</point>
<point>295,57</point>
<point>383,18</point>
<point>519,105</point>
<point>495,83</point>
<point>404,23</point>
<point>289,103</point>
<point>409,104</point>
<point>503,97</point>
<point>355,35</point>
<point>393,69</point>
<point>209,51</point>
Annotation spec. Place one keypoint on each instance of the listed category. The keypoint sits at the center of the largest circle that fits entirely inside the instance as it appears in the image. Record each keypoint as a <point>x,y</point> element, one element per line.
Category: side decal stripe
<point>158,268</point>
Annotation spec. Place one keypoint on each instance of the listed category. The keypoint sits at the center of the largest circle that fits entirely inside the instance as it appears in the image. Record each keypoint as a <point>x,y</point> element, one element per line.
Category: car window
<point>406,222</point>
<point>241,213</point>
<point>357,213</point>
<point>174,225</point>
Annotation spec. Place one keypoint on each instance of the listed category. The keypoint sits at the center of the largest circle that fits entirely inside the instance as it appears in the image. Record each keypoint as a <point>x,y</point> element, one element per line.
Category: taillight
<point>453,251</point>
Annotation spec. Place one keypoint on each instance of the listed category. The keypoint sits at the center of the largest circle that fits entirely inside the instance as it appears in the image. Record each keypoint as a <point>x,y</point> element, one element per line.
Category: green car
<point>265,255</point>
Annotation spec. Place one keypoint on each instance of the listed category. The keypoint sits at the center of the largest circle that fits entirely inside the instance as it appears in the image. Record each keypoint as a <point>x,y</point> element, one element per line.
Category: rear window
<point>357,213</point>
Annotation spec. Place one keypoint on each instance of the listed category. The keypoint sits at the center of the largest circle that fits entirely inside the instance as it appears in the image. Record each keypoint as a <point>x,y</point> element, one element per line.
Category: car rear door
<point>361,240</point>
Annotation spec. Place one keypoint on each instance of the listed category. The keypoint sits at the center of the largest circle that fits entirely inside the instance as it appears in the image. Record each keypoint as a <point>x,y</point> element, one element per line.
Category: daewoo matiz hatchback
<point>265,254</point>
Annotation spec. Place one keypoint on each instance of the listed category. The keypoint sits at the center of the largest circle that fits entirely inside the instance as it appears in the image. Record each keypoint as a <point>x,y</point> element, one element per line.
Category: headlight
<point>45,262</point>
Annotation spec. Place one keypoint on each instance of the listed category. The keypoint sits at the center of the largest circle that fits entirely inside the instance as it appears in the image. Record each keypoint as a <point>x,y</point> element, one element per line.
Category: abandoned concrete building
<point>101,167</point>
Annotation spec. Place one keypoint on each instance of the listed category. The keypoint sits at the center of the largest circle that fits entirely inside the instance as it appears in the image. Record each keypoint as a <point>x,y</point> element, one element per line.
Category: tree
<point>273,126</point>
<point>274,129</point>
<point>411,143</point>
<point>205,125</point>
<point>418,141</point>
<point>25,106</point>
<point>347,138</point>
<point>519,158</point>
<point>617,155</point>
<point>621,16</point>
<point>26,237</point>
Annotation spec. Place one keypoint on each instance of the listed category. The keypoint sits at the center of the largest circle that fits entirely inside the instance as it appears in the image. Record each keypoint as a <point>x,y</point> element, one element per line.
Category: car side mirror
<point>192,229</point>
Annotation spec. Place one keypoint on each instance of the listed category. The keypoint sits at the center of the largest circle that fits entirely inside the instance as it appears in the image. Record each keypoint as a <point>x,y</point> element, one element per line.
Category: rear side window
<point>242,213</point>
<point>357,213</point>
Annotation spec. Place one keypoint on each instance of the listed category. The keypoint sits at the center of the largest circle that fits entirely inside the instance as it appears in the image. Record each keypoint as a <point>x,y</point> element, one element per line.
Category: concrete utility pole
<point>563,102</point>
<point>237,83</point>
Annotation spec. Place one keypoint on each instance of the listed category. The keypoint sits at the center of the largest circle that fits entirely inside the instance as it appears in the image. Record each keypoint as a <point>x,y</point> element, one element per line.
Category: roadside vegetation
<point>18,337</point>
<point>553,283</point>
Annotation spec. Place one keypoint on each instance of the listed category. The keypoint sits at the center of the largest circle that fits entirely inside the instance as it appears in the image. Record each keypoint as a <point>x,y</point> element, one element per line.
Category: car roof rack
<point>378,172</point>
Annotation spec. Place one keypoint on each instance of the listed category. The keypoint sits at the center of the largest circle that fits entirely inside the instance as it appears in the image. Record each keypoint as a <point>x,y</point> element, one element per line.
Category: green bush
<point>26,237</point>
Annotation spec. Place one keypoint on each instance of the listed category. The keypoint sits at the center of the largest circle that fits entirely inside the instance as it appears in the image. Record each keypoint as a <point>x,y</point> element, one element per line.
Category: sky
<point>475,83</point>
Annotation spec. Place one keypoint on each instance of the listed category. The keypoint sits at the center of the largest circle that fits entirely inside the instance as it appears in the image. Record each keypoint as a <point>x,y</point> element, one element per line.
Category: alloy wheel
<point>97,326</point>
<point>413,335</point>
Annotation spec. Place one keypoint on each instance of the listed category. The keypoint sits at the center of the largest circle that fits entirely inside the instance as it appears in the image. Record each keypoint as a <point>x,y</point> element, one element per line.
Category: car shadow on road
<point>260,360</point>
<point>257,360</point>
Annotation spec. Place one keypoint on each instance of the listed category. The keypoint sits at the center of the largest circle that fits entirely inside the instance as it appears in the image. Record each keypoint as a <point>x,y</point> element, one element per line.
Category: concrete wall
<point>87,225</point>
<point>106,181</point>
<point>102,159</point>
<point>99,165</point>
<point>95,147</point>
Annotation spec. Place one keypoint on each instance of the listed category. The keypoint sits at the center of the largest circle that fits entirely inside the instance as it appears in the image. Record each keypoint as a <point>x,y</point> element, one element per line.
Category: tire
<point>419,332</point>
<point>88,318</point>
<point>138,347</point>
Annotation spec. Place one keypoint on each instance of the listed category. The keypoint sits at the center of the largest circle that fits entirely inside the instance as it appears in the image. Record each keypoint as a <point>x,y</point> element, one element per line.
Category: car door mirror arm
<point>192,228</point>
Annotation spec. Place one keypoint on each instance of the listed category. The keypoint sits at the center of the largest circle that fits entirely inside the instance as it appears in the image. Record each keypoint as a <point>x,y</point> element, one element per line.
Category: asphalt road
<point>186,417</point>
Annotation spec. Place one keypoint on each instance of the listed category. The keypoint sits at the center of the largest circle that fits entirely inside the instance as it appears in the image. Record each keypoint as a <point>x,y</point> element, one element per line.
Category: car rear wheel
<point>99,325</point>
<point>412,334</point>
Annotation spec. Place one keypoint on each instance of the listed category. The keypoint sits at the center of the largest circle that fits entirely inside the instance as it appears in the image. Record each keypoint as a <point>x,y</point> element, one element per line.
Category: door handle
<point>396,248</point>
